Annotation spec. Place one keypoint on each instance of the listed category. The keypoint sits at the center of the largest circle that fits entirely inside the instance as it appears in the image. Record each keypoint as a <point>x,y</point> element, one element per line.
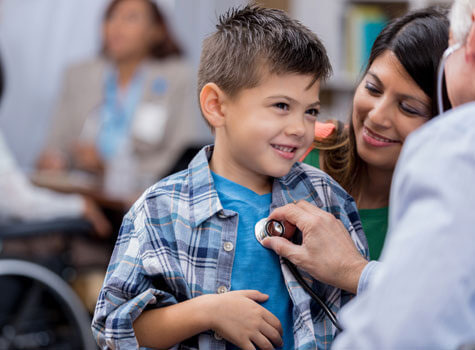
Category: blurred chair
<point>38,309</point>
<point>185,158</point>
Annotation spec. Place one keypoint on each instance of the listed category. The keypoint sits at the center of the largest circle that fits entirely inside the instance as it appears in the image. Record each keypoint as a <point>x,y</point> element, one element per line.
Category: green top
<point>374,221</point>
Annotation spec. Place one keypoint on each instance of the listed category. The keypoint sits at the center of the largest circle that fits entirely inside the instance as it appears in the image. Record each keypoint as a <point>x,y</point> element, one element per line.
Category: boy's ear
<point>211,102</point>
<point>470,45</point>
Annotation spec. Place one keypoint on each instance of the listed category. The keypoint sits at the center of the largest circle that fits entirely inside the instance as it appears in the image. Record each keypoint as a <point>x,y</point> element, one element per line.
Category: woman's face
<point>388,105</point>
<point>129,31</point>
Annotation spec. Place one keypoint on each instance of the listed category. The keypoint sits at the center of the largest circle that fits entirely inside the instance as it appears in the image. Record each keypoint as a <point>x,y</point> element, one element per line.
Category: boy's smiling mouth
<point>287,152</point>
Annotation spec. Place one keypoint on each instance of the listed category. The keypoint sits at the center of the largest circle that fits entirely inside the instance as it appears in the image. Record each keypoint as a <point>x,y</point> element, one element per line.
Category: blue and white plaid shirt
<point>170,249</point>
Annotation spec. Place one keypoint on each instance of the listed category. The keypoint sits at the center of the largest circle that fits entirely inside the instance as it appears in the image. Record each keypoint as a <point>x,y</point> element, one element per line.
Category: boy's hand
<point>238,318</point>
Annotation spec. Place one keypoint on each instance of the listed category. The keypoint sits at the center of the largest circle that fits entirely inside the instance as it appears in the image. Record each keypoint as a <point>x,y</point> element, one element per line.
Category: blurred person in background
<point>124,116</point>
<point>22,201</point>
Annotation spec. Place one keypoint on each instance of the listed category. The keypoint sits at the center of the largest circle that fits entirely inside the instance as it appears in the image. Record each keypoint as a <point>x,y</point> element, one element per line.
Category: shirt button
<point>221,215</point>
<point>217,336</point>
<point>228,246</point>
<point>222,289</point>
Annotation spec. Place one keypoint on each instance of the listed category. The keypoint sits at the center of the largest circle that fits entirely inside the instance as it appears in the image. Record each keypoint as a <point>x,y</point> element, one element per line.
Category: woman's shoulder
<point>94,63</point>
<point>86,69</point>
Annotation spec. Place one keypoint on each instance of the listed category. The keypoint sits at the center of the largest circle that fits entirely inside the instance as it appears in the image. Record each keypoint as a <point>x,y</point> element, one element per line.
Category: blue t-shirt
<point>254,266</point>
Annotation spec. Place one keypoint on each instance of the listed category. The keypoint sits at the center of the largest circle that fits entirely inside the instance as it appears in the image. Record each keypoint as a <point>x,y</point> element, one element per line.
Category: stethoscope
<point>268,228</point>
<point>440,72</point>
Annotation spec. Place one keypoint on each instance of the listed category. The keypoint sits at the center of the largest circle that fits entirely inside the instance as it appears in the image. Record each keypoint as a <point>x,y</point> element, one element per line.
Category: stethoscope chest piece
<point>267,228</point>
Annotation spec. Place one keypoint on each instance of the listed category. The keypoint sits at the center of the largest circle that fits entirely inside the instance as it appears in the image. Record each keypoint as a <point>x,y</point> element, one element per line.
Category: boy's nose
<point>296,127</point>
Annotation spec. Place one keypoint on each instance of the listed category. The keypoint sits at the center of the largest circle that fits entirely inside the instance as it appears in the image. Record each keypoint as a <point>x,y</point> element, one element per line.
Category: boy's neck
<point>223,167</point>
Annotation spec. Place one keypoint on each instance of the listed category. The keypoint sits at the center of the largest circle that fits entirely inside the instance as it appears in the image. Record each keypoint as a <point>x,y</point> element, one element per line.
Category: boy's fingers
<point>255,295</point>
<point>273,321</point>
<point>247,345</point>
<point>262,342</point>
<point>272,334</point>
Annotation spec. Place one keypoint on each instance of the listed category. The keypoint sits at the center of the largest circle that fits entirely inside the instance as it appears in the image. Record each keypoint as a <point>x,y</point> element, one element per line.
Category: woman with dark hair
<point>395,96</point>
<point>125,115</point>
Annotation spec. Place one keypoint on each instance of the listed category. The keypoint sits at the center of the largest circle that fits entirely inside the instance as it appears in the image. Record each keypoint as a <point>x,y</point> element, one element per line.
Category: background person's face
<point>129,31</point>
<point>388,105</point>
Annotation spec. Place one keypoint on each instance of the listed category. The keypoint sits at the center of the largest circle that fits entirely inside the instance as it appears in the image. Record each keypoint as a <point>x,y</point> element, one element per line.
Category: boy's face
<point>267,128</point>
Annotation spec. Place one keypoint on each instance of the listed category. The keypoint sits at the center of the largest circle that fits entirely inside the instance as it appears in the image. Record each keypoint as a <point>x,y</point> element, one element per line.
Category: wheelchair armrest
<point>26,229</point>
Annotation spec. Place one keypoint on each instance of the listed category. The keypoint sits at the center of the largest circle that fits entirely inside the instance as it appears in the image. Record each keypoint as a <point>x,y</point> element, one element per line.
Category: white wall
<point>39,38</point>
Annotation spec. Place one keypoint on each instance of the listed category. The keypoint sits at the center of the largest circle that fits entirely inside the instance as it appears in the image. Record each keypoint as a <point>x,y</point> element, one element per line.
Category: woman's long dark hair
<point>168,45</point>
<point>418,40</point>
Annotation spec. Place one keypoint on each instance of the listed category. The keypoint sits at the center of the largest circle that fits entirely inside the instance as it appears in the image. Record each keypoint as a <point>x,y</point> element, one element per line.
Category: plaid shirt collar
<point>200,180</point>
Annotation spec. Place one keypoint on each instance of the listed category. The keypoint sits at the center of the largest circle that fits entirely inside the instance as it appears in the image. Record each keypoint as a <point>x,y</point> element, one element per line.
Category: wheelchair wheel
<point>38,310</point>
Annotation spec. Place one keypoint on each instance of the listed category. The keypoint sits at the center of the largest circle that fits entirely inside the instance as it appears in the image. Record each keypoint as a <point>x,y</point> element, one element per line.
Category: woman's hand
<point>87,158</point>
<point>52,160</point>
<point>327,251</point>
<point>94,215</point>
<point>238,318</point>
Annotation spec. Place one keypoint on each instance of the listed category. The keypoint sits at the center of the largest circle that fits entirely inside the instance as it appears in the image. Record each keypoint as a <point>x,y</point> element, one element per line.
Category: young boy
<point>187,271</point>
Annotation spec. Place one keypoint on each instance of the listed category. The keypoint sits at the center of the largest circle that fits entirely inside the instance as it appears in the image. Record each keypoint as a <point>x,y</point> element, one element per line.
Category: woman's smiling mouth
<point>377,140</point>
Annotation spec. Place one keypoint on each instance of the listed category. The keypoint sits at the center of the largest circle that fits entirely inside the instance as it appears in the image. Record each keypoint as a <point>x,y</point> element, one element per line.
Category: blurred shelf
<point>342,81</point>
<point>330,21</point>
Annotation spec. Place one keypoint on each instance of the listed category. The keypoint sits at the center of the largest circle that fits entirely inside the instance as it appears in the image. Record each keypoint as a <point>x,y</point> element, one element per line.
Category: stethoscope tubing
<point>331,315</point>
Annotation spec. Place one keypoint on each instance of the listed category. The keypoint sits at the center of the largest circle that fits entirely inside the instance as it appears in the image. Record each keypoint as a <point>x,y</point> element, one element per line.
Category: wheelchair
<point>38,309</point>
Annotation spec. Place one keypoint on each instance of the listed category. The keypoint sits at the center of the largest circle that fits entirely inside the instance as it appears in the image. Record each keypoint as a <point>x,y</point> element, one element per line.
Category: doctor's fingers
<point>321,219</point>
<point>291,213</point>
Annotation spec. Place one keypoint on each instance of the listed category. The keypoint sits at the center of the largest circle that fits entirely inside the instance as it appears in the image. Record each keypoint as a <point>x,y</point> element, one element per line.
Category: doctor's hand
<point>327,251</point>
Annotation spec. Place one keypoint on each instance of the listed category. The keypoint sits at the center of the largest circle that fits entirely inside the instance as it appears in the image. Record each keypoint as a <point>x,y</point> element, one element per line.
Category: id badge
<point>149,122</point>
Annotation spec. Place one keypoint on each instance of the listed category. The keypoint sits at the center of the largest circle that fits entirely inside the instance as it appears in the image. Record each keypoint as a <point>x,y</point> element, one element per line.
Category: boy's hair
<point>251,38</point>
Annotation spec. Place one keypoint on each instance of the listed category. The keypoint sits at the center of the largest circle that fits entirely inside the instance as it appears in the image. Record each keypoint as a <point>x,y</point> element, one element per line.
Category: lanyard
<point>117,112</point>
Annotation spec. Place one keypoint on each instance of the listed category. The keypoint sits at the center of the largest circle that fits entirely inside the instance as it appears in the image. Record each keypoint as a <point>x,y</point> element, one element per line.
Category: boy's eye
<point>313,112</point>
<point>282,105</point>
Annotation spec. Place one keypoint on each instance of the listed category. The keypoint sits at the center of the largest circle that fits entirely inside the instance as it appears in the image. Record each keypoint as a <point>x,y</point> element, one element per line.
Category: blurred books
<point>363,23</point>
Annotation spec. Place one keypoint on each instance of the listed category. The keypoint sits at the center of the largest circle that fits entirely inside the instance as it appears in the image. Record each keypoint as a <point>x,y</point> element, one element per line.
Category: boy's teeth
<point>284,149</point>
